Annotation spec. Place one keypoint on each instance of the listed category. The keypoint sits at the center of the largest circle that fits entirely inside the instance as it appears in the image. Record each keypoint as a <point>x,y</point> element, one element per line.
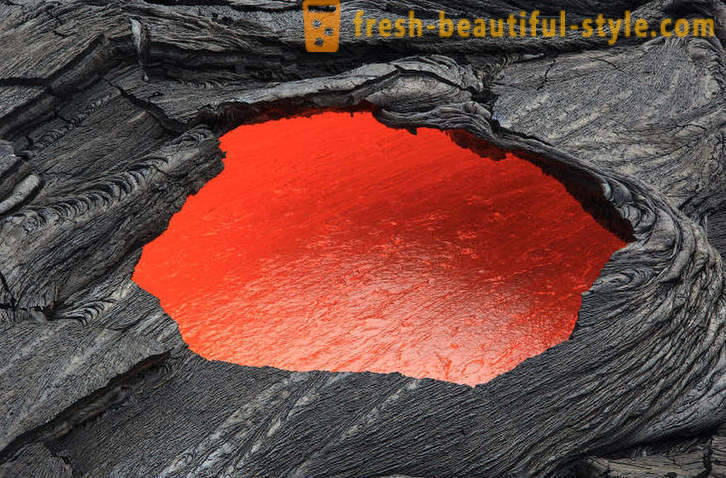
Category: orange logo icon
<point>322,25</point>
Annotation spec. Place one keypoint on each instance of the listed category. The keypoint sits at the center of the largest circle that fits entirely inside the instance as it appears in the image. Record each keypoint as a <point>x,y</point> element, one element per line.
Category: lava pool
<point>336,243</point>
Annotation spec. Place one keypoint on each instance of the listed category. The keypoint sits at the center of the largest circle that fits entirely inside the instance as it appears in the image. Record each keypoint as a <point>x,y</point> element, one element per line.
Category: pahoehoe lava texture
<point>110,117</point>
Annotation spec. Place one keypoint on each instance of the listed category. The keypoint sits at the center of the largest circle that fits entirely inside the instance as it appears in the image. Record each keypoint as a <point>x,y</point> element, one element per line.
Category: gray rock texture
<point>36,461</point>
<point>109,117</point>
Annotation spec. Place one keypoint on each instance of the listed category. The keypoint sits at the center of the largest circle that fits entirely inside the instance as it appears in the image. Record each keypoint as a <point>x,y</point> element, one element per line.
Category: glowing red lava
<point>336,243</point>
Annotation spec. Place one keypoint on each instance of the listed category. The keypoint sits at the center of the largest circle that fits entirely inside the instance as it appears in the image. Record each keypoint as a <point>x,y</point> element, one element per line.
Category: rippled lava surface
<point>336,243</point>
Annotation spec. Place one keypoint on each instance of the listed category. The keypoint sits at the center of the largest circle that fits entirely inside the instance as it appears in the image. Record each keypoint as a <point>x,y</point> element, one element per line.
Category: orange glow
<point>336,243</point>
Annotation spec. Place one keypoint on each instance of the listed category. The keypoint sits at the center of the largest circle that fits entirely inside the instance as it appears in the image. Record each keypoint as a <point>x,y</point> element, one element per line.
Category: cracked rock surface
<point>109,117</point>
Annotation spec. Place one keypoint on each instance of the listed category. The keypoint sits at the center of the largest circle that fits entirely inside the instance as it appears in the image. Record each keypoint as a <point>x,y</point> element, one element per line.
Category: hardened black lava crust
<point>110,113</point>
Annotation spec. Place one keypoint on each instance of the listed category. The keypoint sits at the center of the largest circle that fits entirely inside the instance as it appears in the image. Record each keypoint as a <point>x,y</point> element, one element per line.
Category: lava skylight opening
<point>336,243</point>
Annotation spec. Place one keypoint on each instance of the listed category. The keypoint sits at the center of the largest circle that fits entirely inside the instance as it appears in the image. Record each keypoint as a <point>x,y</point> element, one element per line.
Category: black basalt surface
<point>109,117</point>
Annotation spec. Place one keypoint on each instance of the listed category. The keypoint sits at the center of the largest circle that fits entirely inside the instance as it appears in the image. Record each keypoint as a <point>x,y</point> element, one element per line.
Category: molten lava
<point>336,243</point>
